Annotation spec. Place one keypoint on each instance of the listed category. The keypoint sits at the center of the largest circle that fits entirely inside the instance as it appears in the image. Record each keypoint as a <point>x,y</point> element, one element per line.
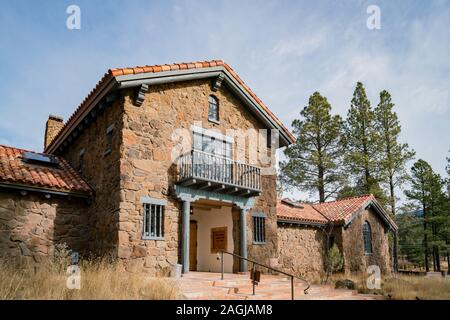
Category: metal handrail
<point>255,263</point>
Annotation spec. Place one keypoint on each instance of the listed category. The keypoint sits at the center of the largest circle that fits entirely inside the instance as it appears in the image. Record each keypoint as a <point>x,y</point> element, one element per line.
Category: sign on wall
<point>218,239</point>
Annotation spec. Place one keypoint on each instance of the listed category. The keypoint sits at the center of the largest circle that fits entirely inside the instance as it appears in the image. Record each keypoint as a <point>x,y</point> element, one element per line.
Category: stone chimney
<point>52,127</point>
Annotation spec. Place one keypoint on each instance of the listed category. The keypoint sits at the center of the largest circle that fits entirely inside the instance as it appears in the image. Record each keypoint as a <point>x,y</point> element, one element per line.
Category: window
<point>109,136</point>
<point>269,138</point>
<point>213,145</point>
<point>81,161</point>
<point>213,109</point>
<point>367,235</point>
<point>259,228</point>
<point>153,226</point>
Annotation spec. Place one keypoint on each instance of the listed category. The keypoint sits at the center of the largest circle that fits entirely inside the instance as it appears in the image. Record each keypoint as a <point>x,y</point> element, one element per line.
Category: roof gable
<point>116,79</point>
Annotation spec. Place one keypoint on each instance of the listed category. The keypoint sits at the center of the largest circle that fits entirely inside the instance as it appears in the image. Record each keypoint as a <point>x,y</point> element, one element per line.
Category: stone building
<point>358,226</point>
<point>158,165</point>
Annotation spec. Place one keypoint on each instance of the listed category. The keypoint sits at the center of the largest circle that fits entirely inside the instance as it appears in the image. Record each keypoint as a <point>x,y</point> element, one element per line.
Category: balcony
<point>201,170</point>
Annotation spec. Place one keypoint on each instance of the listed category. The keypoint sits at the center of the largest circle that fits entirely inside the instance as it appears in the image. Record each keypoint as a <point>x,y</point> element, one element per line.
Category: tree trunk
<point>434,259</point>
<point>321,185</point>
<point>448,263</point>
<point>392,192</point>
<point>438,260</point>
<point>425,240</point>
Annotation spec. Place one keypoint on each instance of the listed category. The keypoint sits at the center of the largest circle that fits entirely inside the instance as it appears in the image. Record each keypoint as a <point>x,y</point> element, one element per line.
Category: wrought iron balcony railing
<point>216,173</point>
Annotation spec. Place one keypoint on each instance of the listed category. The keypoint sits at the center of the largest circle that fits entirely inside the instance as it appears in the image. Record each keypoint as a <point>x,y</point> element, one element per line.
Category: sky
<point>284,51</point>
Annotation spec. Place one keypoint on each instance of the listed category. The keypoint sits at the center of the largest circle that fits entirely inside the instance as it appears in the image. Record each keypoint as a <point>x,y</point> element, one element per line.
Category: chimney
<point>52,127</point>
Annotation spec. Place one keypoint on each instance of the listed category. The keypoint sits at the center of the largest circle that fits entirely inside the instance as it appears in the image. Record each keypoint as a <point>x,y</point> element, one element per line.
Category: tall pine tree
<point>314,161</point>
<point>393,154</point>
<point>426,192</point>
<point>362,144</point>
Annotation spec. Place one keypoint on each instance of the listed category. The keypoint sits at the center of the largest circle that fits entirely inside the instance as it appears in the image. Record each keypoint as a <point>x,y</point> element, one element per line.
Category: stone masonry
<point>147,169</point>
<point>31,225</point>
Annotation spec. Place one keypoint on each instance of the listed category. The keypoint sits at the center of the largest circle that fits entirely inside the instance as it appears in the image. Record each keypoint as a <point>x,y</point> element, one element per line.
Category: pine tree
<point>393,154</point>
<point>426,191</point>
<point>314,161</point>
<point>362,143</point>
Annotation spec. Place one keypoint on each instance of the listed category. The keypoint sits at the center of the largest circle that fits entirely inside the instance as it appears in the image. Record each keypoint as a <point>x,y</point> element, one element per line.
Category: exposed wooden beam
<point>206,185</point>
<point>218,82</point>
<point>189,182</point>
<point>140,96</point>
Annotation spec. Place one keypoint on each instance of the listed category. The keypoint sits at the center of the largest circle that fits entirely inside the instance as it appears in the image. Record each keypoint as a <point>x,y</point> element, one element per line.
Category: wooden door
<point>193,246</point>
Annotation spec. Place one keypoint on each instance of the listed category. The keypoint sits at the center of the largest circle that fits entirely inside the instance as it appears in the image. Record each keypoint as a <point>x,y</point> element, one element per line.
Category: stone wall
<point>31,225</point>
<point>146,168</point>
<point>101,170</point>
<point>355,260</point>
<point>300,249</point>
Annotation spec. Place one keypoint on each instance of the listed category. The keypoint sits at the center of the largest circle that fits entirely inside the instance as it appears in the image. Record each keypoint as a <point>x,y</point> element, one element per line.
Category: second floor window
<point>81,161</point>
<point>109,139</point>
<point>213,109</point>
<point>212,145</point>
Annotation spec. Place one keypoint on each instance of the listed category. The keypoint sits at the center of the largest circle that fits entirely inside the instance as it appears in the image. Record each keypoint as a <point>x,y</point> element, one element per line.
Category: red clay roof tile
<point>339,211</point>
<point>14,170</point>
<point>302,212</point>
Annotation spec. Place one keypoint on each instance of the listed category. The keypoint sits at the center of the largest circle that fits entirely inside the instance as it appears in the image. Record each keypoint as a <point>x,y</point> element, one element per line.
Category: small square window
<point>153,221</point>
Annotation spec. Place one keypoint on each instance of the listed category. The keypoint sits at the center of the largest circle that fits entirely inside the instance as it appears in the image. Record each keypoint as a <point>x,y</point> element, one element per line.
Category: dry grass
<point>403,287</point>
<point>99,280</point>
<point>417,287</point>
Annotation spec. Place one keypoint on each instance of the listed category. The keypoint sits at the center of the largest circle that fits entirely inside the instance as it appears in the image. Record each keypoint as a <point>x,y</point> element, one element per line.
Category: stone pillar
<point>243,238</point>
<point>185,236</point>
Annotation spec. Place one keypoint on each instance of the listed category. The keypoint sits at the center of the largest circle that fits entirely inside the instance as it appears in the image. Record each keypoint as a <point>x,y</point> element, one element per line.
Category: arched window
<point>367,235</point>
<point>213,111</point>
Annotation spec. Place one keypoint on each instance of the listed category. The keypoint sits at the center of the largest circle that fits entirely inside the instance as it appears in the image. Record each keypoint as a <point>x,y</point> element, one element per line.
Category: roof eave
<point>19,186</point>
<point>109,85</point>
<point>301,222</point>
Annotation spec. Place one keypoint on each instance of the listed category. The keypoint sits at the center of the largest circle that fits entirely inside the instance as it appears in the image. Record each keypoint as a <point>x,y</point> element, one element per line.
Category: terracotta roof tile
<point>288,210</point>
<point>339,211</point>
<point>14,170</point>
<point>159,68</point>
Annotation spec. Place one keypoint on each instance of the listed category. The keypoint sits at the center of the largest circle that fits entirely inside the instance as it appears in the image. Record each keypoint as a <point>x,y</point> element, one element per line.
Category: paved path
<point>209,286</point>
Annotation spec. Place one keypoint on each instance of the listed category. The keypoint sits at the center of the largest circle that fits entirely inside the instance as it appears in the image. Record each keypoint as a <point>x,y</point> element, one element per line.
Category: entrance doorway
<point>193,246</point>
<point>212,232</point>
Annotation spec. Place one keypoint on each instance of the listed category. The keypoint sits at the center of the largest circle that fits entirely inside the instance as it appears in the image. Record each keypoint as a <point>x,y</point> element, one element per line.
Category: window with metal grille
<point>367,235</point>
<point>153,221</point>
<point>259,229</point>
<point>213,109</point>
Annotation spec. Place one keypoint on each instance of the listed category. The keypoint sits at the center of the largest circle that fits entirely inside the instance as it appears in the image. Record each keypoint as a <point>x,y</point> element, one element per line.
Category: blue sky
<point>284,50</point>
